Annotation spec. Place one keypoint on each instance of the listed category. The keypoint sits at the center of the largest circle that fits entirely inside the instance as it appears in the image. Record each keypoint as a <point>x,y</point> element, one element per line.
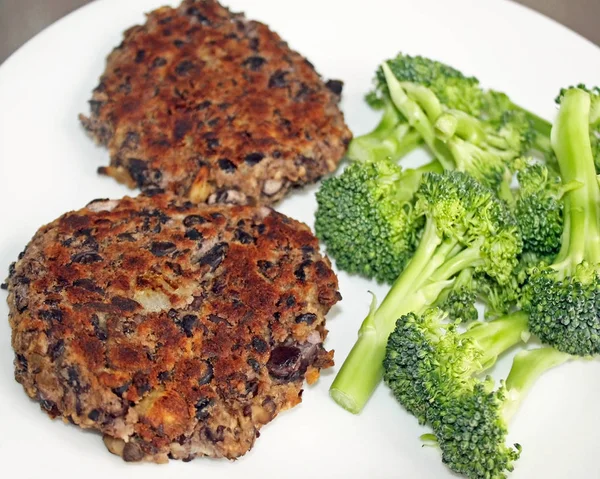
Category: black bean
<point>56,350</point>
<point>159,62</point>
<point>259,344</point>
<point>94,414</point>
<point>153,191</point>
<point>285,362</point>
<point>88,285</point>
<point>253,158</point>
<point>335,86</point>
<point>138,169</point>
<point>254,364</point>
<point>48,405</point>
<point>204,105</point>
<point>278,79</point>
<point>21,362</point>
<point>206,373</point>
<point>213,318</point>
<point>178,43</point>
<point>215,255</point>
<point>219,286</point>
<point>193,220</point>
<point>173,314</point>
<point>132,452</point>
<point>121,389</point>
<point>212,143</point>
<point>214,436</point>
<point>227,165</point>
<point>141,383</point>
<point>184,67</point>
<point>4,286</point>
<point>307,318</point>
<point>201,408</point>
<point>290,301</point>
<point>86,257</point>
<point>261,228</point>
<point>182,127</point>
<point>73,379</point>
<point>193,234</point>
<point>164,376</point>
<point>162,248</point>
<point>243,236</point>
<point>299,272</point>
<point>124,304</point>
<point>164,21</point>
<point>251,388</point>
<point>254,43</point>
<point>254,63</point>
<point>126,237</point>
<point>95,106</point>
<point>99,331</point>
<point>139,56</point>
<point>188,322</point>
<point>51,314</point>
<point>276,154</point>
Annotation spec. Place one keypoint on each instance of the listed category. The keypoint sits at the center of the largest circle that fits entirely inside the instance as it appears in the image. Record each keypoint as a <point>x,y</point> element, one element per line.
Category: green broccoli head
<point>539,209</point>
<point>464,210</point>
<point>562,299</point>
<point>453,88</point>
<point>365,218</point>
<point>564,313</point>
<point>471,433</point>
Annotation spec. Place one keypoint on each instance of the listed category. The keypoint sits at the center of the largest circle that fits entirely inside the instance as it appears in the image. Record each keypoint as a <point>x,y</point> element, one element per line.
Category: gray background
<point>22,19</point>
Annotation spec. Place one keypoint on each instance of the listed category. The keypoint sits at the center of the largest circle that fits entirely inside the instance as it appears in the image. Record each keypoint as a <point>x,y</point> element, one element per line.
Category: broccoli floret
<point>563,298</point>
<point>458,140</point>
<point>538,207</point>
<point>365,218</point>
<point>466,227</point>
<point>433,370</point>
<point>459,300</point>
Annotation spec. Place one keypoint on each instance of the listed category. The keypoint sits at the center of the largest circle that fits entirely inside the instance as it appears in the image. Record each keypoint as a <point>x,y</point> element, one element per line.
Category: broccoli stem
<point>392,138</point>
<point>527,367</point>
<point>417,118</point>
<point>497,336</point>
<point>426,276</point>
<point>570,140</point>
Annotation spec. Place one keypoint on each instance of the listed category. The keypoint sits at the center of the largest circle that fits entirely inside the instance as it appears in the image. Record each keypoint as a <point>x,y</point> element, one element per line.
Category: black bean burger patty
<point>177,330</point>
<point>204,103</point>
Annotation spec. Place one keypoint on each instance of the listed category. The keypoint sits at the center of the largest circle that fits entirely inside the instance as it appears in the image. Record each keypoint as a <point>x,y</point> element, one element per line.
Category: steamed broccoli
<point>458,140</point>
<point>563,298</point>
<point>365,217</point>
<point>433,370</point>
<point>433,88</point>
<point>466,227</point>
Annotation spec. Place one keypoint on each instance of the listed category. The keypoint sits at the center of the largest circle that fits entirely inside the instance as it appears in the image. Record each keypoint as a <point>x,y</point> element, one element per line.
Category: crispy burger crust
<point>207,104</point>
<point>176,330</point>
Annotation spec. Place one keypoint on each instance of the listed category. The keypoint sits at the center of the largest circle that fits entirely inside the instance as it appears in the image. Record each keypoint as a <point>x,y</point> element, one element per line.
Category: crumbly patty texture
<point>177,330</point>
<point>204,103</point>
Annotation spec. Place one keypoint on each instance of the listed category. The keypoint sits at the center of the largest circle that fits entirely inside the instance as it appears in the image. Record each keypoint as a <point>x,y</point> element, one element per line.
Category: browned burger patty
<point>207,104</point>
<point>176,330</point>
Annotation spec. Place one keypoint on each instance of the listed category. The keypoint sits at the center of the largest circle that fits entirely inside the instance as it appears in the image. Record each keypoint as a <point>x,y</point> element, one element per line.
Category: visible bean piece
<point>192,220</point>
<point>252,159</point>
<point>277,79</point>
<point>132,452</point>
<point>215,255</point>
<point>254,63</point>
<point>86,257</point>
<point>285,362</point>
<point>162,248</point>
<point>206,373</point>
<point>307,318</point>
<point>335,86</point>
<point>227,165</point>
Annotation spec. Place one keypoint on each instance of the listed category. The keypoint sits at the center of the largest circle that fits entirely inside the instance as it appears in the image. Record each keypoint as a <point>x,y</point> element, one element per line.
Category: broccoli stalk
<point>393,138</point>
<point>433,370</point>
<point>562,299</point>
<point>466,227</point>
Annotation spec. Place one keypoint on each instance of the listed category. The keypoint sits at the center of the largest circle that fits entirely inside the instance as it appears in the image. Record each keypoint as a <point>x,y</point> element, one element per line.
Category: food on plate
<point>176,330</point>
<point>434,370</point>
<point>481,222</point>
<point>426,101</point>
<point>563,297</point>
<point>204,103</point>
<point>466,228</point>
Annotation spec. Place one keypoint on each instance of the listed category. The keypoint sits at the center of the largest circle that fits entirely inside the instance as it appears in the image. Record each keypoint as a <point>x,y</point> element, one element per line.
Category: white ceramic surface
<point>48,166</point>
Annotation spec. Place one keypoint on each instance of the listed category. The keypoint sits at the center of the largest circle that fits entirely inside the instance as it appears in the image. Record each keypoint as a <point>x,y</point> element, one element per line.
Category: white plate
<point>47,166</point>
